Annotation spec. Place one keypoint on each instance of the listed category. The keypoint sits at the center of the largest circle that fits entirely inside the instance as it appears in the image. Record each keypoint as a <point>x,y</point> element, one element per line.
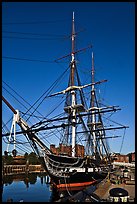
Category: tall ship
<point>81,156</point>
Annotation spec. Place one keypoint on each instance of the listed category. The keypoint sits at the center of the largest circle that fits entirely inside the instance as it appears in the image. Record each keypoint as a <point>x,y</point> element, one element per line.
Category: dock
<point>100,191</point>
<point>15,169</point>
<point>99,194</point>
<point>103,189</point>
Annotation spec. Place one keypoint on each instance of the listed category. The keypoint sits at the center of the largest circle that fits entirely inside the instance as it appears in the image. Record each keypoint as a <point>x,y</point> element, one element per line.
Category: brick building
<point>67,150</point>
<point>122,158</point>
<point>131,157</point>
<point>125,158</point>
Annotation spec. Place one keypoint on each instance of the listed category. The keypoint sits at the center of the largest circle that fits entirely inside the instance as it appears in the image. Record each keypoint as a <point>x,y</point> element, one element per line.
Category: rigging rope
<point>122,140</point>
<point>47,92</point>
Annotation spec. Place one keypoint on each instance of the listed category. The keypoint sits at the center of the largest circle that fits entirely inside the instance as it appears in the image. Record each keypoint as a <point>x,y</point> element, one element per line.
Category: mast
<point>92,106</point>
<point>94,123</point>
<point>72,53</point>
<point>73,102</point>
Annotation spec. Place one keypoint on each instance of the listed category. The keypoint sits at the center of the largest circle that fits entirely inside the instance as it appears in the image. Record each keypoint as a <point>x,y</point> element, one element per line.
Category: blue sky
<point>108,26</point>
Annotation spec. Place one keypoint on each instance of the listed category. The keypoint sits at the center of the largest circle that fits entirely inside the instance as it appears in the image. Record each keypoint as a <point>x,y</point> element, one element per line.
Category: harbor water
<point>31,187</point>
<point>34,187</point>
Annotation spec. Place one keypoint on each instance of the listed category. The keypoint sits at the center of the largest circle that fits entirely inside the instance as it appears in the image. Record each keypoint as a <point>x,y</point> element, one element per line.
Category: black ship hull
<point>68,170</point>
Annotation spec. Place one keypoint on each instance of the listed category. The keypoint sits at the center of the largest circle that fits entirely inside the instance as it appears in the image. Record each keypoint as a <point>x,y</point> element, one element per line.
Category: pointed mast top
<point>92,93</point>
<point>93,71</point>
<point>73,37</point>
<point>73,15</point>
<point>73,52</point>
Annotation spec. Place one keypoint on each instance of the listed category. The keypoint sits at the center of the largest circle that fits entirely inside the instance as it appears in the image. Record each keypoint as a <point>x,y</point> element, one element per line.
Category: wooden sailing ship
<point>71,163</point>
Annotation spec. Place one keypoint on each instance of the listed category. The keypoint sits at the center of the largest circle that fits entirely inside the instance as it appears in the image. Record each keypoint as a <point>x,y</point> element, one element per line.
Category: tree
<point>8,159</point>
<point>26,155</point>
<point>32,157</point>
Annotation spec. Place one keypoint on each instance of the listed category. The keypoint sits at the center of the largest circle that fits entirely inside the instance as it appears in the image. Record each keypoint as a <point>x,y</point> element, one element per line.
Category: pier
<point>100,192</point>
<point>123,164</point>
<point>104,187</point>
<point>15,169</point>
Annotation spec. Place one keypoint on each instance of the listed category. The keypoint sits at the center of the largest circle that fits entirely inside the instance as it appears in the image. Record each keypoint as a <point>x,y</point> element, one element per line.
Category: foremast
<point>73,102</point>
<point>92,106</point>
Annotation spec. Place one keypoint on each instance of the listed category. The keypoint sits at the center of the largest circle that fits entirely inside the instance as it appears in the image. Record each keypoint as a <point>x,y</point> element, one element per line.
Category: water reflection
<point>37,187</point>
<point>27,178</point>
<point>32,187</point>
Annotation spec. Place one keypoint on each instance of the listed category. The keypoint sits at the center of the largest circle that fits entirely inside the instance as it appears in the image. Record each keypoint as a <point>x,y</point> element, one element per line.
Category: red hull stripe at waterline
<point>75,184</point>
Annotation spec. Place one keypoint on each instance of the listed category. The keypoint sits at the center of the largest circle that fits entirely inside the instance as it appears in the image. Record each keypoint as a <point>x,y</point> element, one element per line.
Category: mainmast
<point>73,102</point>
